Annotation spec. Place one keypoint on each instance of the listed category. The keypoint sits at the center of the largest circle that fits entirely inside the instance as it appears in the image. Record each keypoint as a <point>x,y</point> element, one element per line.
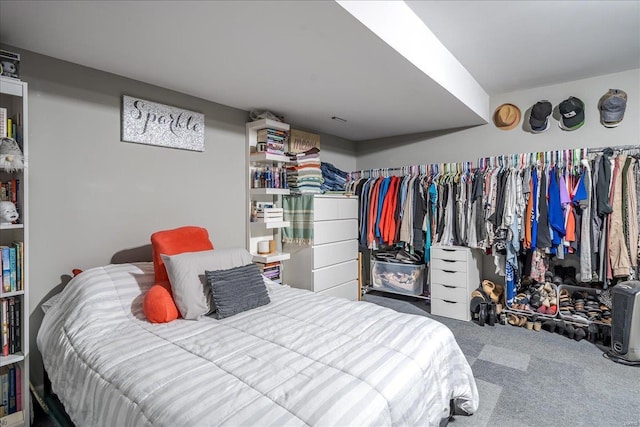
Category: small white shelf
<point>270,191</point>
<point>279,256</point>
<point>267,123</point>
<point>12,358</point>
<point>11,294</point>
<point>272,224</point>
<point>5,226</point>
<point>264,157</point>
<point>11,86</point>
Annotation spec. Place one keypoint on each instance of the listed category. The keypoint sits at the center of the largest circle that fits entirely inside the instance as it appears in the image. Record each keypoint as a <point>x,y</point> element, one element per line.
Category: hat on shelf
<point>506,117</point>
<point>539,118</point>
<point>572,113</point>
<point>612,106</point>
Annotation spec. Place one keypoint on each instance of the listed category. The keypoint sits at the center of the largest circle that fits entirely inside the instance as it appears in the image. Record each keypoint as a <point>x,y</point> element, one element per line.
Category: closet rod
<point>613,147</point>
<point>419,168</point>
<point>469,165</point>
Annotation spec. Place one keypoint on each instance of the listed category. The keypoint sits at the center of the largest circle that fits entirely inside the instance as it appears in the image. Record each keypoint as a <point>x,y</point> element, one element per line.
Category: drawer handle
<point>448,250</point>
<point>449,260</point>
<point>450,302</point>
<point>448,271</point>
<point>449,286</point>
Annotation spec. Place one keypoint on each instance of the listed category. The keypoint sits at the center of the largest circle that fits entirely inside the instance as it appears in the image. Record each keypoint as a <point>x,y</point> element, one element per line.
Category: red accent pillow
<point>158,304</point>
<point>177,241</point>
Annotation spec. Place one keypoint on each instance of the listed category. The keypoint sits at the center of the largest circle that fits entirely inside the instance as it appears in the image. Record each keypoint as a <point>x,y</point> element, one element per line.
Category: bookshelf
<point>14,295</point>
<point>266,183</point>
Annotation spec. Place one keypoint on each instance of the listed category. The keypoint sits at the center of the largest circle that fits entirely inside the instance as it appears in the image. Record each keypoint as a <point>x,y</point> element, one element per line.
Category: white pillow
<point>189,285</point>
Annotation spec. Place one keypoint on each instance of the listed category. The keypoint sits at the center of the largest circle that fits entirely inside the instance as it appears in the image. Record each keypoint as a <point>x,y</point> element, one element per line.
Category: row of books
<point>12,271</point>
<point>9,127</point>
<point>9,191</point>
<point>270,270</point>
<point>10,389</point>
<point>275,141</point>
<point>11,320</point>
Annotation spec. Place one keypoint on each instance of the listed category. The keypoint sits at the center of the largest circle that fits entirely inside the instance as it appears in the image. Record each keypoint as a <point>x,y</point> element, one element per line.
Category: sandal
<point>513,320</point>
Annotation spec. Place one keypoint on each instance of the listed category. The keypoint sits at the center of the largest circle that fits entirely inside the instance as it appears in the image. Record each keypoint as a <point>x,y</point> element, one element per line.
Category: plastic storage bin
<point>397,277</point>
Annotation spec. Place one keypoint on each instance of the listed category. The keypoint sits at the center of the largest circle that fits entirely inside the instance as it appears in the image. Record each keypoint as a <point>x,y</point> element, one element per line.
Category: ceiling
<point>312,60</point>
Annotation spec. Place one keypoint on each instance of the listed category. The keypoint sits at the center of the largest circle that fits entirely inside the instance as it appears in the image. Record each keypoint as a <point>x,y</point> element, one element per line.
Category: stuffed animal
<point>8,212</point>
<point>8,69</point>
<point>11,158</point>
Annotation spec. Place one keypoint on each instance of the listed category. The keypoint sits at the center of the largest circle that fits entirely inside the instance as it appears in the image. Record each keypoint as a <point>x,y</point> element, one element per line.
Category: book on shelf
<point>4,316</point>
<point>18,325</point>
<point>6,269</point>
<point>274,140</point>
<point>4,390</point>
<point>3,122</point>
<point>13,267</point>
<point>19,255</point>
<point>12,325</point>
<point>270,270</point>
<point>265,134</point>
<point>12,389</point>
<point>18,387</point>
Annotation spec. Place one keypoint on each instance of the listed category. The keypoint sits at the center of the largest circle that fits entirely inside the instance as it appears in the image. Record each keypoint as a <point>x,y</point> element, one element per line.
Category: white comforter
<point>303,359</point>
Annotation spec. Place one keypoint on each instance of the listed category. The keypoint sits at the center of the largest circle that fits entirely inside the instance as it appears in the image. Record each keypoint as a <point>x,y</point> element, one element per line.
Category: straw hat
<point>506,117</point>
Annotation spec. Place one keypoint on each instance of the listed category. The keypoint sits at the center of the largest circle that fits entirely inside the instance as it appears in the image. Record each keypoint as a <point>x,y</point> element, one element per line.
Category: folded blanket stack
<point>304,175</point>
<point>334,178</point>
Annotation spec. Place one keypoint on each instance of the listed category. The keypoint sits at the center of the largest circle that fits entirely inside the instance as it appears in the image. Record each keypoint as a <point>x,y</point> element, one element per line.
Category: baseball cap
<point>539,118</point>
<point>612,106</point>
<point>572,113</point>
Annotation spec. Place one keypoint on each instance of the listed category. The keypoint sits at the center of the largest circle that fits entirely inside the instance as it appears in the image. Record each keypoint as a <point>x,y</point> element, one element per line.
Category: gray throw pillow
<point>237,289</point>
<point>190,290</point>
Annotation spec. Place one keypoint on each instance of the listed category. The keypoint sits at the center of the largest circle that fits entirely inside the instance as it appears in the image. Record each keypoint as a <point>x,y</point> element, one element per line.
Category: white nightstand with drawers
<point>330,265</point>
<point>455,271</point>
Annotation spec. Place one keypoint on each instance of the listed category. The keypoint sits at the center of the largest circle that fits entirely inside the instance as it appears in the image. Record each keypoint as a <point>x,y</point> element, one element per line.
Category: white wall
<point>487,140</point>
<point>96,200</point>
<point>481,141</point>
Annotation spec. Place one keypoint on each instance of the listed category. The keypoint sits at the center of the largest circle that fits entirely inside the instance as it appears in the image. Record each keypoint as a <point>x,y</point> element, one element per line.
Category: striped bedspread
<point>303,359</point>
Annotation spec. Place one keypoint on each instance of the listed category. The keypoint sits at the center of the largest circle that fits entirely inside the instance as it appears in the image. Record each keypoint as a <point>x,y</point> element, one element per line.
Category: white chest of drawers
<point>454,273</point>
<point>330,265</point>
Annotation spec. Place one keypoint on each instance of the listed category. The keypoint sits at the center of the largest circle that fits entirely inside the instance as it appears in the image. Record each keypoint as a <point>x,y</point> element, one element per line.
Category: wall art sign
<point>147,122</point>
<point>300,141</point>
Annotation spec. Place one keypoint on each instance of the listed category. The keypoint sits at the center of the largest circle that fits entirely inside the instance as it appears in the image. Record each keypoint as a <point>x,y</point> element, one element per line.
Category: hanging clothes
<point>522,210</point>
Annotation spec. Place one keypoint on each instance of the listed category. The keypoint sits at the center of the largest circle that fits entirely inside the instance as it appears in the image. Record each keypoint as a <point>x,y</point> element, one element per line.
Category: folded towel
<point>299,211</point>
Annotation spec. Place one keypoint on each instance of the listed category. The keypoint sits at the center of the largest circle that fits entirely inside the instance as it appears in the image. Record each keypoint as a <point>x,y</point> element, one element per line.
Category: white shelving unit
<point>14,97</point>
<point>259,231</point>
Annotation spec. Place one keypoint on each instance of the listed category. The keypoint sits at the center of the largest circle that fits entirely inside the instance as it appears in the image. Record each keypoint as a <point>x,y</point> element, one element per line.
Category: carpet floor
<point>529,378</point>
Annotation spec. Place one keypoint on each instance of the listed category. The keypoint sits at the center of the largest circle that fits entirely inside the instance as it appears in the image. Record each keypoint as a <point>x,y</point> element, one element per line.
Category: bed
<point>302,359</point>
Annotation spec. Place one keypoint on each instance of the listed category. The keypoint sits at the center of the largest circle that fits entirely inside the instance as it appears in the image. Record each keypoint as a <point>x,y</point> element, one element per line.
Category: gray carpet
<point>529,378</point>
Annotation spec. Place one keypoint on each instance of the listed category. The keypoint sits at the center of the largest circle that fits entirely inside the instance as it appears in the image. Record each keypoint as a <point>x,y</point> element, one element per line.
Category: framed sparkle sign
<point>147,122</point>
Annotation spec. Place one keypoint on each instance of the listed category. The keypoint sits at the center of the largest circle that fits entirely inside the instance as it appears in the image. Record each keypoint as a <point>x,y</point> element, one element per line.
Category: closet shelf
<point>274,224</point>
<point>265,157</point>
<point>270,191</point>
<point>12,358</point>
<point>5,226</point>
<point>279,256</point>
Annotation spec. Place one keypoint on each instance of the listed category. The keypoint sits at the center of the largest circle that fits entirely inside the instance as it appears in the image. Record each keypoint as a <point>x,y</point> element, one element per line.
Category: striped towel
<point>299,211</point>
